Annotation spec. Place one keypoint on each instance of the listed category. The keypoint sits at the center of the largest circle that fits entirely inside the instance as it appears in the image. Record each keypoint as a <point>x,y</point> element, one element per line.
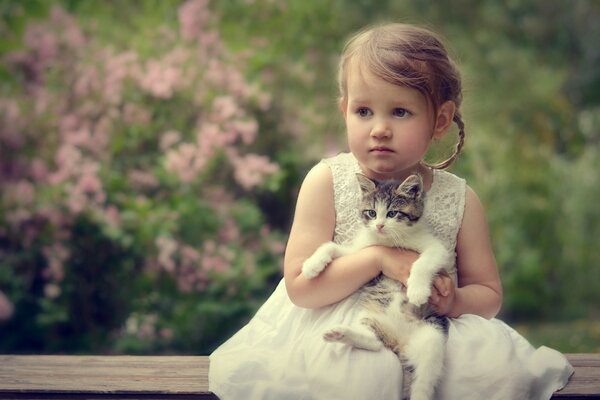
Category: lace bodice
<point>444,202</point>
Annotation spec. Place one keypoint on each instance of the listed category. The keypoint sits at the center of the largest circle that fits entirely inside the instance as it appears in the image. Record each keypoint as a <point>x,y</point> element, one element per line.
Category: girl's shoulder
<point>445,206</point>
<point>447,187</point>
<point>344,168</point>
<point>342,162</point>
<point>444,180</point>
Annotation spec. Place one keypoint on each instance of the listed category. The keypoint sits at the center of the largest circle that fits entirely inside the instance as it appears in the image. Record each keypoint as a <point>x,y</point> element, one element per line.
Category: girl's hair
<point>410,56</point>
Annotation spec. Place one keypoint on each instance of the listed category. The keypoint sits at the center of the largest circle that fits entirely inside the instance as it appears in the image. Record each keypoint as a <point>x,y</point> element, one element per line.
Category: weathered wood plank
<point>585,382</point>
<point>105,377</point>
<point>171,377</point>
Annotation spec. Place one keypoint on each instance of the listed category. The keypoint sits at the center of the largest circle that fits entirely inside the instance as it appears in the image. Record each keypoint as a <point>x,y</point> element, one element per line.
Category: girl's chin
<point>386,171</point>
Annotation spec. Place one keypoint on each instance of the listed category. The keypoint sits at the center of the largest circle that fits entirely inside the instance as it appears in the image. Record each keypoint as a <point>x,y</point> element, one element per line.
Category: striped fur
<point>395,316</point>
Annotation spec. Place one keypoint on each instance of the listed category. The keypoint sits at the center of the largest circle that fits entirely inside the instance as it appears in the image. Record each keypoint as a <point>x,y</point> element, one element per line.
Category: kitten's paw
<point>335,335</point>
<point>316,263</point>
<point>319,260</point>
<point>417,294</point>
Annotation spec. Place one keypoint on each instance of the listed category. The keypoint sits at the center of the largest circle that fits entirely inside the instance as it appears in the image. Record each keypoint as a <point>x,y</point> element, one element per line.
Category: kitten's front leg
<point>423,273</point>
<point>418,286</point>
<point>316,263</point>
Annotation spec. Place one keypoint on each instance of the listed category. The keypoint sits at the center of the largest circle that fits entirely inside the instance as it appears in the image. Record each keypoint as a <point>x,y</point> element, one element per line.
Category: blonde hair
<point>410,56</point>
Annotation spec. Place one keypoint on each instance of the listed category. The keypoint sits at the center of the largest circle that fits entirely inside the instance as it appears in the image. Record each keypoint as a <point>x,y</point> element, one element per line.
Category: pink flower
<point>87,80</point>
<point>166,250</point>
<point>216,73</point>
<point>211,136</point>
<point>250,170</point>
<point>166,333</point>
<point>19,193</point>
<point>275,246</point>
<point>68,159</point>
<point>185,161</point>
<point>39,170</point>
<point>160,79</point>
<point>56,255</point>
<point>52,290</point>
<point>193,16</point>
<point>168,139</point>
<point>189,256</point>
<point>224,108</point>
<point>6,307</point>
<point>247,130</point>
<point>112,216</point>
<point>142,180</point>
<point>89,183</point>
<point>135,114</point>
<point>18,216</point>
<point>220,199</point>
<point>70,32</point>
<point>229,232</point>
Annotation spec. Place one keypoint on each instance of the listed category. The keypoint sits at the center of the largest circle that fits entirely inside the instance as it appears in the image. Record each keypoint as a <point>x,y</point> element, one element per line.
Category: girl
<point>399,92</point>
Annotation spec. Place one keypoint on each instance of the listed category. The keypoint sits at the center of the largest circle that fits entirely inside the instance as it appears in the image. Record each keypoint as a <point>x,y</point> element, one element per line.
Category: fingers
<point>440,283</point>
<point>440,289</point>
<point>442,294</point>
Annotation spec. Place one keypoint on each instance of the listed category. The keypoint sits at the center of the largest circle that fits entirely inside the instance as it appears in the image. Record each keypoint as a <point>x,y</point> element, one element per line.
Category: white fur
<point>421,344</point>
<point>434,257</point>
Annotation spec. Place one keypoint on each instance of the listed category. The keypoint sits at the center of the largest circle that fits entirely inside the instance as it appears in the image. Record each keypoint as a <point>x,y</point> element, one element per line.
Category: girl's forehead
<point>361,82</point>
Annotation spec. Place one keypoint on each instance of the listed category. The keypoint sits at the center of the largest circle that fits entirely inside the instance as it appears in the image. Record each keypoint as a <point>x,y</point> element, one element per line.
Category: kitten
<point>392,315</point>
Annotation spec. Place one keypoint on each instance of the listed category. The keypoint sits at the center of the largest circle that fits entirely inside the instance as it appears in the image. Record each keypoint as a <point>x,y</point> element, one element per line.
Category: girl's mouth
<point>381,149</point>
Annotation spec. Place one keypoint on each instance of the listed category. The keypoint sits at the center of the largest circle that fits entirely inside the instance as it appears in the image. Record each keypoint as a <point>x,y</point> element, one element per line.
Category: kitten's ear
<point>366,184</point>
<point>412,187</point>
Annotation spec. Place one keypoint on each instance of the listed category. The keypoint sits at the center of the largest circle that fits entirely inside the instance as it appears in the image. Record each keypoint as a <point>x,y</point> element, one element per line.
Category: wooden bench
<point>171,377</point>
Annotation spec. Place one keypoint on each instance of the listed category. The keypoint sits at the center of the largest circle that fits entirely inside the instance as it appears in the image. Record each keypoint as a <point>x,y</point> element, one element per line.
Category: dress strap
<point>346,193</point>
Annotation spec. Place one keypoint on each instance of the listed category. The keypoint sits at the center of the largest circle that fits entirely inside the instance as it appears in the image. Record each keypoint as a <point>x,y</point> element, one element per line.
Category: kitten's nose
<point>379,227</point>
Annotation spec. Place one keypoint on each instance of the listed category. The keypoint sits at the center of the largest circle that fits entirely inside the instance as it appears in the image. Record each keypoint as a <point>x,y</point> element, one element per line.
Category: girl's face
<point>389,127</point>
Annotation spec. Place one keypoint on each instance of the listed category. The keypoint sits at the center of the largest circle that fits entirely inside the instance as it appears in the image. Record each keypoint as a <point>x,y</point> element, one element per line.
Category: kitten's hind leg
<point>425,351</point>
<point>359,337</point>
<point>385,333</point>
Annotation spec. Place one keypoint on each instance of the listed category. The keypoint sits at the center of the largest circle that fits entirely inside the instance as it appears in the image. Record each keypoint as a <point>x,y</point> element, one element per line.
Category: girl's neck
<point>425,172</point>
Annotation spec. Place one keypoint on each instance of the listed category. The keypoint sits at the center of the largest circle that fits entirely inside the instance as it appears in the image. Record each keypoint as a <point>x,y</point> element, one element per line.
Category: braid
<point>459,145</point>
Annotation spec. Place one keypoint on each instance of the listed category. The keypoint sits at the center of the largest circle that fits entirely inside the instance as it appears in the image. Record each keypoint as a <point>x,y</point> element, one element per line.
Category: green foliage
<point>130,169</point>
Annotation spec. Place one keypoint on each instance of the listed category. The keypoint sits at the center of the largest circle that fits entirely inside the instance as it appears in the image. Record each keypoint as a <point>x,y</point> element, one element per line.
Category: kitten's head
<point>391,206</point>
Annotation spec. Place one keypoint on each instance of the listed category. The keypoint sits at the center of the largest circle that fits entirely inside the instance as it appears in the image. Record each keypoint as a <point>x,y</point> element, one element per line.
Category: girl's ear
<point>343,103</point>
<point>444,118</point>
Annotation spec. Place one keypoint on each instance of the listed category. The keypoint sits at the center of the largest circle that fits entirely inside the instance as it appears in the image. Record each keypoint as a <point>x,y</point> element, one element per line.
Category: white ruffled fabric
<point>280,353</point>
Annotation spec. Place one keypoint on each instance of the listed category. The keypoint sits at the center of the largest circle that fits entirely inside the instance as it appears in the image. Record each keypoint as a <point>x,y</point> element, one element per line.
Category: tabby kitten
<point>392,315</point>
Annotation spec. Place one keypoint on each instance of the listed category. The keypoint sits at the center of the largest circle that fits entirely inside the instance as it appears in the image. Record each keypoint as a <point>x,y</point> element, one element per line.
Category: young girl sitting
<point>399,92</point>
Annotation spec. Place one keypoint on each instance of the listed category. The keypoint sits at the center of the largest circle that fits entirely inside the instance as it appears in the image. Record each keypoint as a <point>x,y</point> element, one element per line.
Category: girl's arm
<point>314,223</point>
<point>480,289</point>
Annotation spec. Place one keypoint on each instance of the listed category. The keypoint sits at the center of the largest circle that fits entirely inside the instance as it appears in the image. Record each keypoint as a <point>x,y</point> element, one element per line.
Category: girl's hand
<point>396,263</point>
<point>442,294</point>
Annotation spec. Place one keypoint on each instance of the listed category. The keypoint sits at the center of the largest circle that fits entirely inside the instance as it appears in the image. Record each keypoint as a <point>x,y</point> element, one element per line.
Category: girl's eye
<point>363,112</point>
<point>371,214</point>
<point>400,112</point>
<point>392,214</point>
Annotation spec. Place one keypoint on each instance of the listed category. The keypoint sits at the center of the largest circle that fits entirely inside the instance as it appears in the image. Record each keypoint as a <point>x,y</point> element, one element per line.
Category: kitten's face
<point>391,206</point>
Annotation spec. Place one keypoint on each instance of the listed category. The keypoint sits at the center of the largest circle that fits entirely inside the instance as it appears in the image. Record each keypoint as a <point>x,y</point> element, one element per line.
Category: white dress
<point>280,353</point>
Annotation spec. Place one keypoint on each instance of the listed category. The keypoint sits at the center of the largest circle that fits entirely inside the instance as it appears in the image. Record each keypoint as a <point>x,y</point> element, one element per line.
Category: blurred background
<point>151,153</point>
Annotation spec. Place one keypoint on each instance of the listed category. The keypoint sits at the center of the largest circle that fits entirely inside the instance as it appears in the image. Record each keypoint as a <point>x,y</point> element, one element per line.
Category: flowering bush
<point>130,179</point>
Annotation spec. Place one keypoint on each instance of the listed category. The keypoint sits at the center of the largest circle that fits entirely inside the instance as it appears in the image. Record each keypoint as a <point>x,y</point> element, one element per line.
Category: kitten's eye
<point>370,214</point>
<point>403,215</point>
<point>392,214</point>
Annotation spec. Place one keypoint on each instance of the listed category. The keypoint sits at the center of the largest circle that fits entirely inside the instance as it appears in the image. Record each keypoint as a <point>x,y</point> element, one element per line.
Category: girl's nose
<point>381,130</point>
